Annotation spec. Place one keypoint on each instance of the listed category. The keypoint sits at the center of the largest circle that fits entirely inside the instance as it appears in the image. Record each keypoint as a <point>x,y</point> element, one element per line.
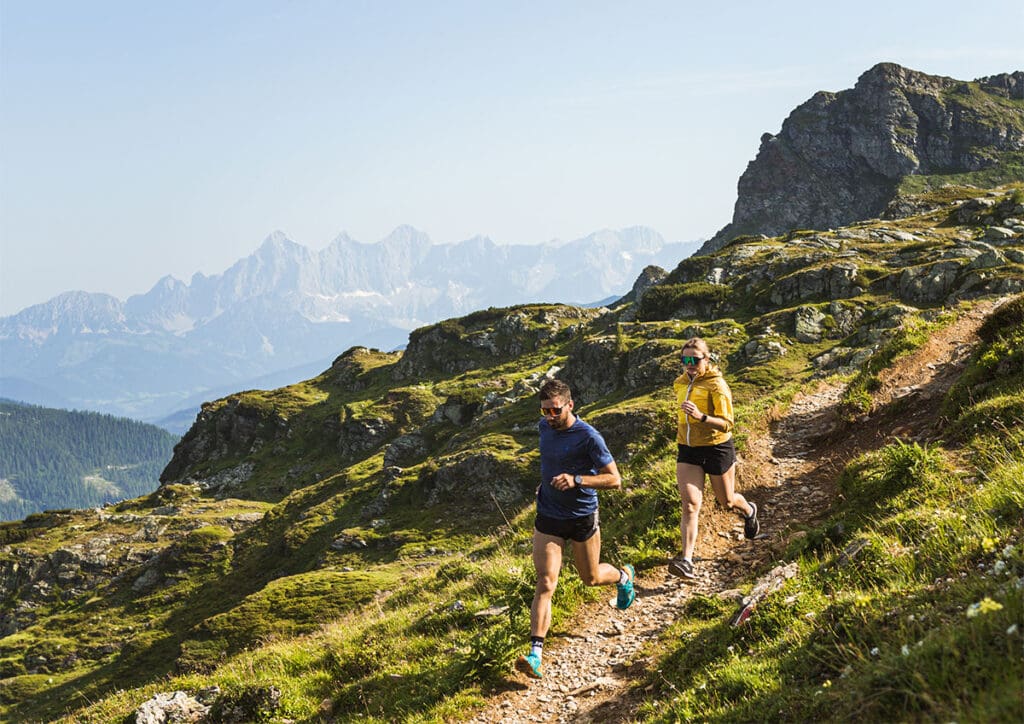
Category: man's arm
<point>607,478</point>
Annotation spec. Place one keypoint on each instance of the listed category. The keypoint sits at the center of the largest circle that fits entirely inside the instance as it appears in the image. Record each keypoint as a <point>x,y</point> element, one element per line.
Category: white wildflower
<point>874,651</point>
<point>1012,630</point>
<point>905,650</point>
<point>999,567</point>
<point>1007,551</point>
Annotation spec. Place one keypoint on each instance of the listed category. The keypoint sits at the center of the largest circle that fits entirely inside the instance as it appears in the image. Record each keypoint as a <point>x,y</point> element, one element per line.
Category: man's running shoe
<point>682,568</point>
<point>626,594</point>
<point>750,525</point>
<point>529,665</point>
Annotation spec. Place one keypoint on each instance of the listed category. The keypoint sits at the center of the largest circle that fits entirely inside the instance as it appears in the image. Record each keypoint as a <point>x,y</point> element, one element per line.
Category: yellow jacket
<point>712,396</point>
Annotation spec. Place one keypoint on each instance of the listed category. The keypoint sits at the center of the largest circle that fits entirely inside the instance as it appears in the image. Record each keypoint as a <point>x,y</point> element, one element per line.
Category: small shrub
<point>894,469</point>
<point>705,608</point>
<point>491,653</point>
<point>1006,319</point>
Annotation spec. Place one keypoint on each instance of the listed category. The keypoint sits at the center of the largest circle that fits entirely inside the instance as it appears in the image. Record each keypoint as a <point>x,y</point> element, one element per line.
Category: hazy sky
<point>139,139</point>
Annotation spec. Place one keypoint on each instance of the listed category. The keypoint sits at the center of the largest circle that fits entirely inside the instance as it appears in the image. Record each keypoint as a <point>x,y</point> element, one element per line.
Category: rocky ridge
<point>840,157</point>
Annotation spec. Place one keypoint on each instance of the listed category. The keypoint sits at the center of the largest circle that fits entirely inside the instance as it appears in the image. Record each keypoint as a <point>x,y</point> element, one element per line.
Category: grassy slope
<point>925,621</point>
<point>388,632</point>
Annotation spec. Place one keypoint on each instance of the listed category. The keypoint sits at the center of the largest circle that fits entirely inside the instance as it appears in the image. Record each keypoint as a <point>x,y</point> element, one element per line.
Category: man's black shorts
<point>712,459</point>
<point>577,529</point>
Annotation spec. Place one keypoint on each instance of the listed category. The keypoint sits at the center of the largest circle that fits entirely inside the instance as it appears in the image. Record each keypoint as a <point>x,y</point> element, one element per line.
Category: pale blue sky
<point>139,139</point>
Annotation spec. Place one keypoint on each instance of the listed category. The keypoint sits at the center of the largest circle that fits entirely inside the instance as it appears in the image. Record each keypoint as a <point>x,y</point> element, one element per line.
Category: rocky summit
<point>841,157</point>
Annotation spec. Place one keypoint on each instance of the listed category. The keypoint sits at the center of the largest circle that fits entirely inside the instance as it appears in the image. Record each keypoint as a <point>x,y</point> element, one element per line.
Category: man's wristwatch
<point>578,479</point>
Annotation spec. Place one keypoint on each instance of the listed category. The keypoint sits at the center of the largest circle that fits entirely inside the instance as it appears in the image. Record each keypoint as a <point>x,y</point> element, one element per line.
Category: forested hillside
<point>68,459</point>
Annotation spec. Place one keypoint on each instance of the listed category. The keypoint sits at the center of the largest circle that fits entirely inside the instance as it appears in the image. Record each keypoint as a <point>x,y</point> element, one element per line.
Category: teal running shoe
<point>626,594</point>
<point>529,665</point>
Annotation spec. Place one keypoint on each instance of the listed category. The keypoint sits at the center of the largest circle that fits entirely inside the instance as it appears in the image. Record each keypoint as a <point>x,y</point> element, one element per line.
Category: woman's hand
<point>691,409</point>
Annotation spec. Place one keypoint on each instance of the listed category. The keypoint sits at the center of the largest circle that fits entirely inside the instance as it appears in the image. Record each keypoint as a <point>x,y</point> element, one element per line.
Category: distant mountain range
<point>285,312</point>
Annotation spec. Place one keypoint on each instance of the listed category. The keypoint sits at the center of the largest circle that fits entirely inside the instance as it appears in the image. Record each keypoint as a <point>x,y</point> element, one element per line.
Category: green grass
<point>913,627</point>
<point>1008,168</point>
<point>909,604</point>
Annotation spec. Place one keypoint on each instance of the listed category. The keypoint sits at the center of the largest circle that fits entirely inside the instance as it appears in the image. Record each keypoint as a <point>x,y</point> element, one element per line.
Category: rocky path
<point>591,666</point>
<point>588,672</point>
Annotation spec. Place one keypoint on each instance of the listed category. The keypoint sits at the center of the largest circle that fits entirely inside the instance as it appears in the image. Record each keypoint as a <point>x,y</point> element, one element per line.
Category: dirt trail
<point>590,667</point>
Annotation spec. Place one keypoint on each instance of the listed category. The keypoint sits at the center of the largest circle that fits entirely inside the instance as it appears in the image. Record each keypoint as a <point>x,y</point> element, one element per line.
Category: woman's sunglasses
<point>690,360</point>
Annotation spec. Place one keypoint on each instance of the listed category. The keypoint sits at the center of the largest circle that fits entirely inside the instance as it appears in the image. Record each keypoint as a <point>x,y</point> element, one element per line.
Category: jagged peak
<point>79,297</point>
<point>169,282</point>
<point>1009,85</point>
<point>406,233</point>
<point>278,248</point>
<point>278,239</point>
<point>343,239</point>
<point>644,236</point>
<point>71,305</point>
<point>406,236</point>
<point>896,75</point>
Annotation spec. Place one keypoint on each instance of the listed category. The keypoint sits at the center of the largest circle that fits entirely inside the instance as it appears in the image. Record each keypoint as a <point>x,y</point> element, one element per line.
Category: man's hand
<point>563,481</point>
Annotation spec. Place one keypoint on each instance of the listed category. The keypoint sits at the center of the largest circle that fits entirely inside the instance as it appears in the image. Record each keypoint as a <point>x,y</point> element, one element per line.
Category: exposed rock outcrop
<point>222,429</point>
<point>477,480</point>
<point>483,338</point>
<point>840,156</point>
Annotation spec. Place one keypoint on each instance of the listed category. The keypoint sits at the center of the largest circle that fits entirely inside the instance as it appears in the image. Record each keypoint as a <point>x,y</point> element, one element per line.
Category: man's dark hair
<point>555,388</point>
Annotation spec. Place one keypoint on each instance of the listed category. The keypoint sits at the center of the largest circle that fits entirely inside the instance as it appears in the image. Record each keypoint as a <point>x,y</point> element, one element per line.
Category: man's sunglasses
<point>552,411</point>
<point>689,360</point>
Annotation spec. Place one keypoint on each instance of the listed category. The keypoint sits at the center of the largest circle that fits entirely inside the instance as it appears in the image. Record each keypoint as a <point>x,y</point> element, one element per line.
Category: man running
<point>574,465</point>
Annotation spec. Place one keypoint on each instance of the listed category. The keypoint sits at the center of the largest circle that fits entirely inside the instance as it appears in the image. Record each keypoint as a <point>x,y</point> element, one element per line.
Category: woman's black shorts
<point>712,459</point>
<point>577,529</point>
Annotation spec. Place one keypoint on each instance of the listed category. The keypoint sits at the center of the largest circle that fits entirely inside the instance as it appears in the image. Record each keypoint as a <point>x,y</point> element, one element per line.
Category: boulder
<point>477,480</point>
<point>832,281</point>
<point>592,369</point>
<point>177,707</point>
<point>807,324</point>
<point>999,232</point>
<point>764,348</point>
<point>405,450</point>
<point>361,435</point>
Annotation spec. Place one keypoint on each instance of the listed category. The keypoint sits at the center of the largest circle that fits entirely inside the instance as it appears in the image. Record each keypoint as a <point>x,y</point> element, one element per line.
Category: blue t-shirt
<point>580,450</point>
